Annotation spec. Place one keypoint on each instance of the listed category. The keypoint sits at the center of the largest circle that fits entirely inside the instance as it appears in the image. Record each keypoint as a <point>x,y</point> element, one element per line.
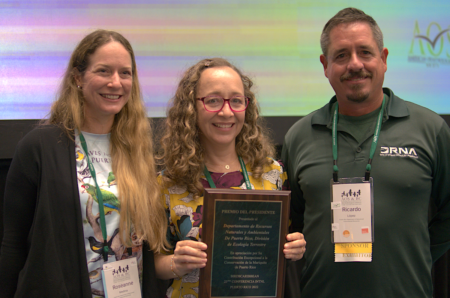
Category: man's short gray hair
<point>345,16</point>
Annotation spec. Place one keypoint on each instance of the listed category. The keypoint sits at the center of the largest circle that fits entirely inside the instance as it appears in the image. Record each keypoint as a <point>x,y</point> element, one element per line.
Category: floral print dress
<point>185,215</point>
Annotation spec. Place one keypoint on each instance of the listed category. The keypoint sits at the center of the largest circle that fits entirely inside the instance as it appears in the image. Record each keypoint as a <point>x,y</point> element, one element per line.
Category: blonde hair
<point>131,146</point>
<point>181,154</point>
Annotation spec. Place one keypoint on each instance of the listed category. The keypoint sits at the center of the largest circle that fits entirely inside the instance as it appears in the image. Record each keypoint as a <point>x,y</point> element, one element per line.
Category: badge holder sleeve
<point>351,191</point>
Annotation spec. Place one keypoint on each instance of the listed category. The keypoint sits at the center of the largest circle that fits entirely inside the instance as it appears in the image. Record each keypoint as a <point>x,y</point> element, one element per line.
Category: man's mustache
<point>356,75</point>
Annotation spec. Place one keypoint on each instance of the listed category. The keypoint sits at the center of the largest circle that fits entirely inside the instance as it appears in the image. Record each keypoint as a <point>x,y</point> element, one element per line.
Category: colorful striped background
<point>275,42</point>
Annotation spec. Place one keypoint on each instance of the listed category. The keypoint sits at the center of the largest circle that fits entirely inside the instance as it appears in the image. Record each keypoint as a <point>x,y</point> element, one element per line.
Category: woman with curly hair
<point>212,132</point>
<point>81,191</point>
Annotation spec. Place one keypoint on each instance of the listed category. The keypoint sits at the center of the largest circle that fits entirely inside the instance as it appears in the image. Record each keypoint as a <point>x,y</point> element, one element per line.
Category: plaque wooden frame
<point>208,222</point>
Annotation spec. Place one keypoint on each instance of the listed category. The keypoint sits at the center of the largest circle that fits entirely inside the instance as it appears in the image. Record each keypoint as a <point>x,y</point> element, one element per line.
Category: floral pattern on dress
<point>185,215</point>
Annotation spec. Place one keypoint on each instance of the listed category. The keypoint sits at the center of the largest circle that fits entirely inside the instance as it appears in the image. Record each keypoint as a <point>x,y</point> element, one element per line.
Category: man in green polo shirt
<point>370,237</point>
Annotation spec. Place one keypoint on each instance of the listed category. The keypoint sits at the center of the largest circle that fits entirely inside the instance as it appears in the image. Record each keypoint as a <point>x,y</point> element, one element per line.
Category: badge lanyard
<point>100,200</point>
<point>372,148</point>
<point>244,172</point>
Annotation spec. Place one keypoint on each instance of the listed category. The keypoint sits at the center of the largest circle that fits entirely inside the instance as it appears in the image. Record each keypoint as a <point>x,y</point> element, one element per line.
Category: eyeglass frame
<point>202,99</point>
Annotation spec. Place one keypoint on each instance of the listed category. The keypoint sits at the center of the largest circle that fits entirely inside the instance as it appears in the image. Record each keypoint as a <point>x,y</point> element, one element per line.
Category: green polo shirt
<point>410,166</point>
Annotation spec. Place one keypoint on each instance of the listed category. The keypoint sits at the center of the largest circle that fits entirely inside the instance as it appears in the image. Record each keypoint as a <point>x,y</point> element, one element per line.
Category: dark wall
<point>4,166</point>
<point>11,131</point>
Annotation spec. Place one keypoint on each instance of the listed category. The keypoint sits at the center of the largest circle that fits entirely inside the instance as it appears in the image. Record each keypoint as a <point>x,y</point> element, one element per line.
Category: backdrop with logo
<point>275,42</point>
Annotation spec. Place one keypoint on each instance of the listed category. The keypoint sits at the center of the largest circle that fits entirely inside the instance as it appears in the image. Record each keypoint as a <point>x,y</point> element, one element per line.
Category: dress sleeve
<point>20,199</point>
<point>283,177</point>
<point>439,226</point>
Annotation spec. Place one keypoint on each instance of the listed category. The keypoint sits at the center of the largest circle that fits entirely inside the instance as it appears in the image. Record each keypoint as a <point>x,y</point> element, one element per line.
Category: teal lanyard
<point>244,172</point>
<point>372,148</point>
<point>100,200</point>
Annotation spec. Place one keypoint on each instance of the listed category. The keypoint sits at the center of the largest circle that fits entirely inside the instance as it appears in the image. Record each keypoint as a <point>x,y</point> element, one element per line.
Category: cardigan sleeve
<point>19,207</point>
<point>152,287</point>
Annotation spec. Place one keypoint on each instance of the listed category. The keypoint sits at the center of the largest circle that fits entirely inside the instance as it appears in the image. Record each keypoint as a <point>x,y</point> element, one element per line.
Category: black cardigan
<point>43,248</point>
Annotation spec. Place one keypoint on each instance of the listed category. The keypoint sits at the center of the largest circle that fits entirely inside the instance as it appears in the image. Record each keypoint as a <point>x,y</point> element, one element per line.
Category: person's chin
<point>359,97</point>
<point>223,141</point>
<point>357,94</point>
<point>114,109</point>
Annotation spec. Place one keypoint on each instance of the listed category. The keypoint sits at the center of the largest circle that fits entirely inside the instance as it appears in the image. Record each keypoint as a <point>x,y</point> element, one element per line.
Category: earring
<point>79,87</point>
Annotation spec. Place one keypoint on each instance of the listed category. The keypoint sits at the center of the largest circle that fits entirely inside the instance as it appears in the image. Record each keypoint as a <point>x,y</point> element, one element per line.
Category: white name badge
<point>352,211</point>
<point>352,219</point>
<point>121,279</point>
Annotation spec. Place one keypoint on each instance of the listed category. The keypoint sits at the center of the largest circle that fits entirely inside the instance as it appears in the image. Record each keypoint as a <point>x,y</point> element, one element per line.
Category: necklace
<point>219,168</point>
<point>244,173</point>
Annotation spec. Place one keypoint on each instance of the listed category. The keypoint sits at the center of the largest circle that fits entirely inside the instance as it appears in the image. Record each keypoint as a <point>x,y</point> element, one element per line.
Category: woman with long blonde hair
<point>213,133</point>
<point>82,191</point>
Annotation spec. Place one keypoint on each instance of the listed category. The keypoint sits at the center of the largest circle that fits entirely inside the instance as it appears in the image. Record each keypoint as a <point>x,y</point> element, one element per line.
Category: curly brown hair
<point>181,155</point>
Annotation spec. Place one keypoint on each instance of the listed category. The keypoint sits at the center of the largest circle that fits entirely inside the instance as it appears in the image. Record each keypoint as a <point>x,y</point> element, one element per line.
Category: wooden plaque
<point>245,231</point>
